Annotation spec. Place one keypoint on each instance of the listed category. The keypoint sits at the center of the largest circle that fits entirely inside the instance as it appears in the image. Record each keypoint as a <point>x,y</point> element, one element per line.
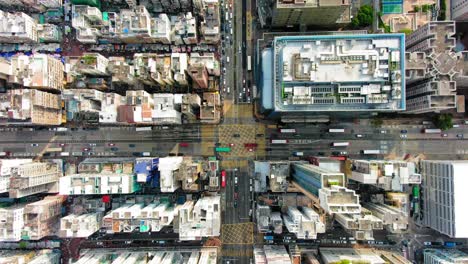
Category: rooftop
<point>339,73</point>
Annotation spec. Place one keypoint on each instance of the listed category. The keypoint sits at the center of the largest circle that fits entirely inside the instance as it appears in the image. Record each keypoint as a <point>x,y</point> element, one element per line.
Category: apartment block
<point>49,33</point>
<point>211,63</point>
<point>190,173</point>
<point>30,107</point>
<point>134,25</point>
<point>443,196</point>
<point>305,224</point>
<point>360,226</point>
<point>210,110</point>
<point>33,178</point>
<point>210,25</point>
<point>392,218</point>
<point>121,71</point>
<point>179,64</point>
<point>276,172</point>
<point>358,255</point>
<point>80,104</point>
<point>92,64</point>
<point>184,29</point>
<point>168,167</point>
<point>339,200</point>
<point>190,106</point>
<point>98,183</point>
<point>43,256</point>
<point>459,10</point>
<point>333,75</point>
<point>80,225</point>
<point>200,219</point>
<point>313,178</point>
<point>162,29</point>
<point>199,74</point>
<point>86,20</point>
<point>289,13</point>
<point>262,217</point>
<point>385,174</point>
<point>433,68</point>
<point>444,256</point>
<point>109,107</point>
<point>271,254</point>
<point>406,15</point>
<point>165,111</point>
<point>39,71</point>
<point>42,217</point>
<point>17,28</point>
<point>11,223</point>
<point>6,165</point>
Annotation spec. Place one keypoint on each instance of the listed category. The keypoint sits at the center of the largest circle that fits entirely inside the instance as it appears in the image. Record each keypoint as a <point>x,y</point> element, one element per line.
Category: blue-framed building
<point>313,178</point>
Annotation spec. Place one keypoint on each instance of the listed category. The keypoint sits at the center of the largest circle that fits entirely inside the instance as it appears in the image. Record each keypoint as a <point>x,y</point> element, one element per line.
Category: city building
<point>200,219</point>
<point>48,33</point>
<point>134,25</point>
<point>93,64</point>
<point>80,225</point>
<point>392,218</point>
<point>190,107</point>
<point>433,68</point>
<point>30,107</point>
<point>42,256</point>
<point>168,167</point>
<point>109,107</point>
<point>210,61</point>
<point>390,175</point>
<point>332,75</point>
<point>11,223</point>
<point>443,196</point>
<point>276,173</point>
<point>83,105</point>
<point>162,29</point>
<point>313,178</point>
<point>121,71</point>
<point>271,254</point>
<point>165,111</point>
<point>35,177</point>
<point>361,255</point>
<point>305,224</point>
<point>39,71</point>
<point>210,25</point>
<point>360,226</point>
<point>17,28</point>
<point>86,20</point>
<point>179,65</point>
<point>199,74</point>
<point>459,10</point>
<point>325,13</point>
<point>6,165</point>
<point>41,218</point>
<point>406,16</point>
<point>339,200</point>
<point>184,29</point>
<point>211,108</point>
<point>444,256</point>
<point>262,217</point>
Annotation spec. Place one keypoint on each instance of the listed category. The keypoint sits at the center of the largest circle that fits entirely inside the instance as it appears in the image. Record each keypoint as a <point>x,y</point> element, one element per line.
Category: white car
<point>235,180</point>
<point>403,135</point>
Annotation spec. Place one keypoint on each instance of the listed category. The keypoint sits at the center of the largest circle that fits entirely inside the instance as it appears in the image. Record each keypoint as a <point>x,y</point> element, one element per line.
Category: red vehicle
<point>250,145</point>
<point>223,178</point>
<point>111,144</point>
<point>231,144</point>
<point>183,144</point>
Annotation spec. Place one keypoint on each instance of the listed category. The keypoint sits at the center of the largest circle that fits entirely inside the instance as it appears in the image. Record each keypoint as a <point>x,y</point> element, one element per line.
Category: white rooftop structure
<point>5,171</point>
<point>164,111</point>
<point>338,199</point>
<point>304,224</point>
<point>17,28</point>
<point>167,167</point>
<point>200,219</point>
<point>336,255</point>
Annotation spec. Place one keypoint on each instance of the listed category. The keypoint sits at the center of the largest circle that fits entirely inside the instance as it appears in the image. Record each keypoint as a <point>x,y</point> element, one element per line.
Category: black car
<point>259,135</point>
<point>235,204</point>
<point>404,131</point>
<point>236,135</point>
<point>459,136</point>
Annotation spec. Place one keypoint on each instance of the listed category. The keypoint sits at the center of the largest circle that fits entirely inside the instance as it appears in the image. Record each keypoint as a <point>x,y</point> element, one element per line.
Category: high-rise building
<point>33,178</point>
<point>444,195</point>
<point>433,68</point>
<point>314,76</point>
<point>39,71</point>
<point>386,174</point>
<point>362,255</point>
<point>325,13</point>
<point>392,218</point>
<point>200,219</point>
<point>444,256</point>
<point>17,28</point>
<point>459,10</point>
<point>305,224</point>
<point>313,178</point>
<point>41,218</point>
<point>11,223</point>
<point>6,165</point>
<point>360,226</point>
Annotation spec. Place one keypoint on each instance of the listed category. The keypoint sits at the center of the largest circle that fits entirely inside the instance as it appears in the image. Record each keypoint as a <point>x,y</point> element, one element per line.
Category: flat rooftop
<point>339,73</point>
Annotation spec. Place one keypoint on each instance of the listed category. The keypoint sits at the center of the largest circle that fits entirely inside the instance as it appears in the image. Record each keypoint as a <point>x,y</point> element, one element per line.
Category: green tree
<point>425,8</point>
<point>443,121</point>
<point>407,31</point>
<point>364,17</point>
<point>416,8</point>
<point>443,8</point>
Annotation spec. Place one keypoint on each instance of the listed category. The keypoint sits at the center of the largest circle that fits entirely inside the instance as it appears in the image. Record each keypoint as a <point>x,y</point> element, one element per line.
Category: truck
<point>371,151</point>
<point>336,130</point>
<point>298,153</point>
<point>279,141</point>
<point>143,129</point>
<point>432,131</point>
<point>287,130</point>
<point>249,63</point>
<point>340,144</point>
<point>64,154</point>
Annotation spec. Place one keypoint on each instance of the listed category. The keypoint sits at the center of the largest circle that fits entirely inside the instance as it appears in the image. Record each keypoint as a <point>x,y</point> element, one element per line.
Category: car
<point>235,180</point>
<point>235,204</point>
<point>91,153</point>
<point>183,144</point>
<point>62,144</point>
<point>236,196</point>
<point>404,131</point>
<point>232,144</point>
<point>460,136</point>
<point>268,149</point>
<point>321,153</point>
<point>339,153</point>
<point>111,144</point>
<point>444,135</point>
<point>131,145</point>
<point>403,136</point>
<point>217,144</point>
<point>34,145</point>
<point>359,135</point>
<point>85,149</point>
<point>243,82</point>
<point>92,144</point>
<point>114,149</point>
<point>259,135</point>
<point>223,178</point>
<point>383,131</point>
<point>236,135</point>
<point>251,150</point>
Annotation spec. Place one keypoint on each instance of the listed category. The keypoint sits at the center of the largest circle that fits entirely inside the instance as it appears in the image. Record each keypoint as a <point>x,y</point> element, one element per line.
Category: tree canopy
<point>364,17</point>
<point>443,121</point>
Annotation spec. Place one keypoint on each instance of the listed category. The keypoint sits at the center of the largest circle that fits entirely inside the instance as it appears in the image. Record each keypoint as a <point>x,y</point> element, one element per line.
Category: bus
<point>223,149</point>
<point>279,141</point>
<point>340,144</point>
<point>336,130</point>
<point>249,63</point>
<point>223,178</point>
<point>432,131</point>
<point>143,129</point>
<point>371,151</point>
<point>53,150</point>
<point>287,130</point>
